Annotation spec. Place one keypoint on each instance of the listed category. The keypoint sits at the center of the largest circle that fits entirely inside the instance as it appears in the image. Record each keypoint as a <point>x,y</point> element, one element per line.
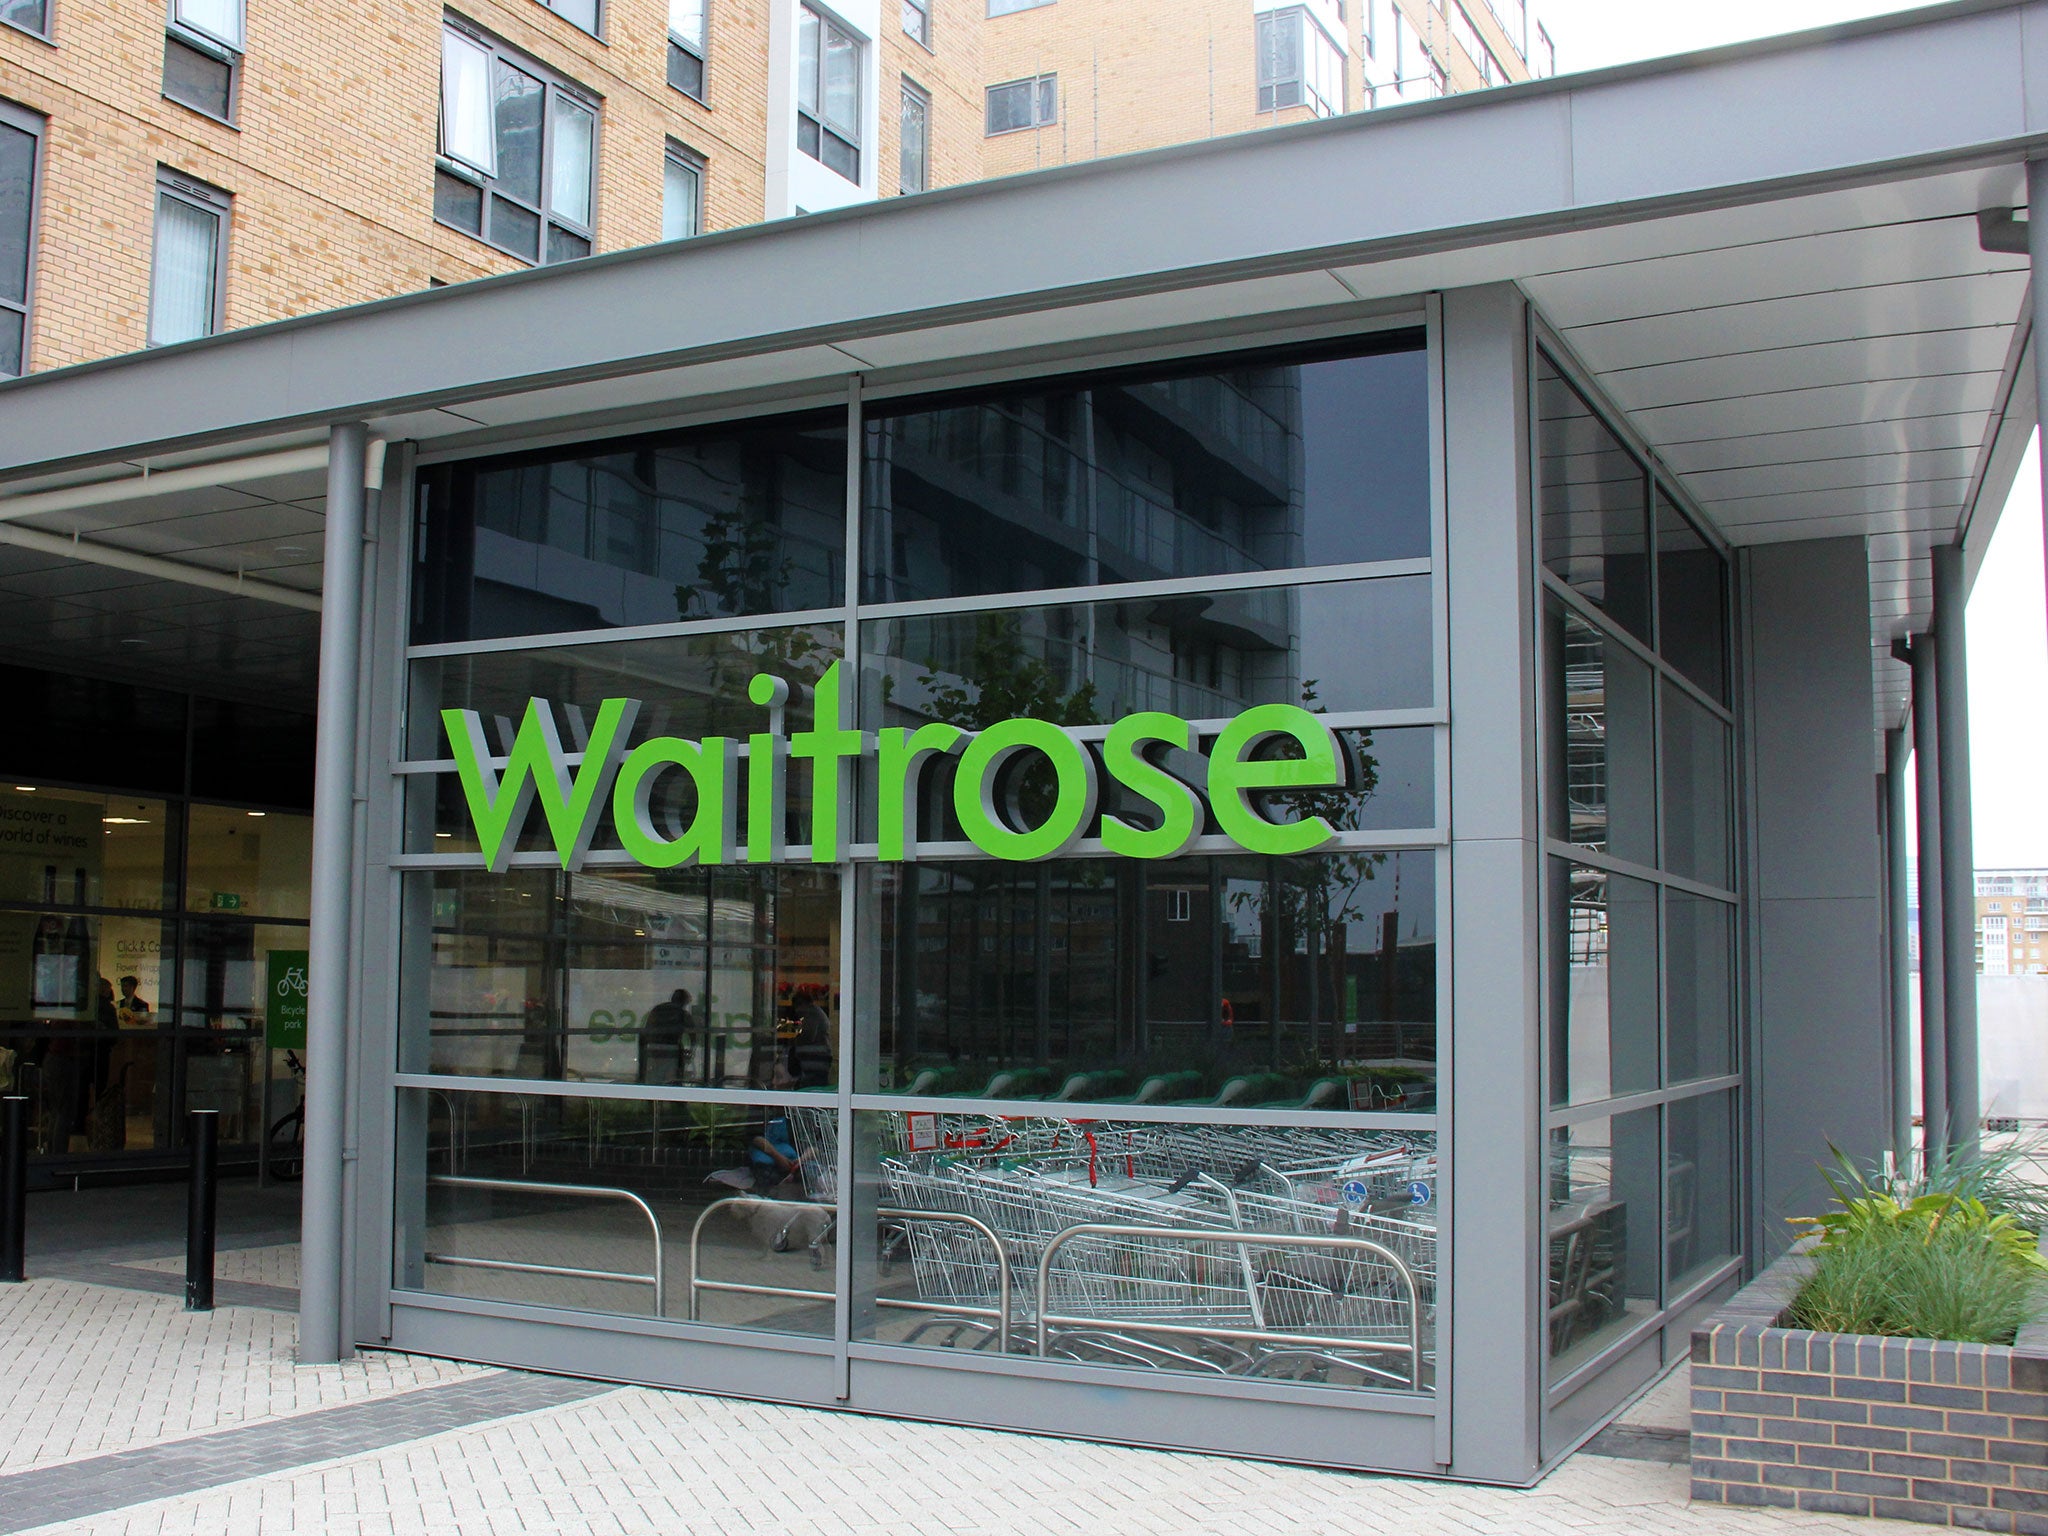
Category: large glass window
<point>1139,1229</point>
<point>1641,905</point>
<point>709,524</point>
<point>1596,516</point>
<point>1256,983</point>
<point>714,1213</point>
<point>20,140</point>
<point>1238,1045</point>
<point>517,167</point>
<point>1253,466</point>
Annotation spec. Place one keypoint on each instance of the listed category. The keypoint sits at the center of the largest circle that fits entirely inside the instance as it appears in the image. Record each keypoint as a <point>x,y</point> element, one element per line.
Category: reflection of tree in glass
<point>1315,899</point>
<point>742,569</point>
<point>999,679</point>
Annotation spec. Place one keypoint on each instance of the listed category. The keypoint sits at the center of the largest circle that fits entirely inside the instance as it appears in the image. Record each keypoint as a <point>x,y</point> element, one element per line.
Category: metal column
<point>1958,852</point>
<point>1933,980</point>
<point>2037,252</point>
<point>321,1245</point>
<point>1897,749</point>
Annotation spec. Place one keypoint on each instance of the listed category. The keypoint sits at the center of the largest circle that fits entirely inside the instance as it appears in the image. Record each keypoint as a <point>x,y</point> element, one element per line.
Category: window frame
<point>36,126</point>
<point>911,92</point>
<point>698,48</point>
<point>175,185</point>
<point>829,23</point>
<point>49,24</point>
<point>1312,36</point>
<point>922,9</point>
<point>1039,86</point>
<point>598,18</point>
<point>676,153</point>
<point>189,35</point>
<point>554,87</point>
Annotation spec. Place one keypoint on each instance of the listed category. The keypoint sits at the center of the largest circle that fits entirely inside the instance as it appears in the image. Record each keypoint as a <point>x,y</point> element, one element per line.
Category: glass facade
<point>1641,895</point>
<point>150,876</point>
<point>1170,1110</point>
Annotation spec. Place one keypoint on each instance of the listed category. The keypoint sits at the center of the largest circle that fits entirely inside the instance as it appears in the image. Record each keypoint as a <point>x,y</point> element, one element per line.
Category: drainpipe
<point>1958,853</point>
<point>1897,749</point>
<point>1927,768</point>
<point>321,1334</point>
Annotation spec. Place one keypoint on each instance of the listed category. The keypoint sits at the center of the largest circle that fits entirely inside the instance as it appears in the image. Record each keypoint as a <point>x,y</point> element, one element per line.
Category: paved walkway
<point>127,1416</point>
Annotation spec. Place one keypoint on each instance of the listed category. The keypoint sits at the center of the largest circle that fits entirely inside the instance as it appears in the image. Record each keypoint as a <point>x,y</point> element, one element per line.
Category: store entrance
<point>155,873</point>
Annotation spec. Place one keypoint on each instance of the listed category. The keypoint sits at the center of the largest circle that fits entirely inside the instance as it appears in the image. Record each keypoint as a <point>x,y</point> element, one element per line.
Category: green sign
<point>1234,772</point>
<point>284,1016</point>
<point>227,901</point>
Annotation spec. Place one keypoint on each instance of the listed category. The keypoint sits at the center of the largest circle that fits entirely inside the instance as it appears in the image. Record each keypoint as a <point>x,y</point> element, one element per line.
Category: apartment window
<point>917,139</point>
<point>917,20</point>
<point>682,193</point>
<point>1020,104</point>
<point>688,22</point>
<point>28,15</point>
<point>578,13</point>
<point>828,92</point>
<point>202,55</point>
<point>1007,7</point>
<point>1299,65</point>
<point>185,288</point>
<point>518,152</point>
<point>20,138</point>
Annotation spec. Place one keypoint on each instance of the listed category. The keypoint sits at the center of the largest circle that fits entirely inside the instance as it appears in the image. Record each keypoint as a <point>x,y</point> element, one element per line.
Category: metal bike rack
<point>590,1191</point>
<point>1000,1312</point>
<point>1243,1241</point>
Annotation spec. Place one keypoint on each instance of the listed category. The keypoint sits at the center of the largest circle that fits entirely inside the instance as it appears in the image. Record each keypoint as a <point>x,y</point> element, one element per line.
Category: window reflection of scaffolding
<point>1588,917</point>
<point>1585,733</point>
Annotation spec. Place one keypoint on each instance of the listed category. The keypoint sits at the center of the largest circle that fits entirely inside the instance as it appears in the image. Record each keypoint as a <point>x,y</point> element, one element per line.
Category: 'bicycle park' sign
<point>284,1017</point>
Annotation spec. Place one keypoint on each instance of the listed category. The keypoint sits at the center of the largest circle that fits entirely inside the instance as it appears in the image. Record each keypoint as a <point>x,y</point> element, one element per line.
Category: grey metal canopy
<point>1768,255</point>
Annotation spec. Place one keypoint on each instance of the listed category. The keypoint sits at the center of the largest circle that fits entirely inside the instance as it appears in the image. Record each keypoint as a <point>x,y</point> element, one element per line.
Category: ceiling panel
<point>1939,303</point>
<point>1827,405</point>
<point>1978,349</point>
<point>1948,430</point>
<point>1723,485</point>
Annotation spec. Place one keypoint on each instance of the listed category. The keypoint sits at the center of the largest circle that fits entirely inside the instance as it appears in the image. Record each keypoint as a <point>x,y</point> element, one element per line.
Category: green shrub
<point>1907,1257</point>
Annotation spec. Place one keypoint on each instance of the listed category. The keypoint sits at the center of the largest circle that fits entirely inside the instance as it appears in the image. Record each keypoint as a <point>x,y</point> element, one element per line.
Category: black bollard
<point>199,1204</point>
<point>13,1189</point>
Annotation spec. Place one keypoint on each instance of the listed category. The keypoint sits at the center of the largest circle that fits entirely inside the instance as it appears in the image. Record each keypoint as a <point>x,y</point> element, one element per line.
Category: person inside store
<point>805,1035</point>
<point>664,1036</point>
<point>131,1008</point>
<point>778,1162</point>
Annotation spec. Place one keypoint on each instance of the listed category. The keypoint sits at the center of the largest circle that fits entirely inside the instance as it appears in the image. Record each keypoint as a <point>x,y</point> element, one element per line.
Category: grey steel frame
<point>1673,1306</point>
<point>1259,1399</point>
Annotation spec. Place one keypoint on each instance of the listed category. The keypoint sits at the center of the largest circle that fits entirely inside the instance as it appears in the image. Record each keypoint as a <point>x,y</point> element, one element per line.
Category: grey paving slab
<point>95,1485</point>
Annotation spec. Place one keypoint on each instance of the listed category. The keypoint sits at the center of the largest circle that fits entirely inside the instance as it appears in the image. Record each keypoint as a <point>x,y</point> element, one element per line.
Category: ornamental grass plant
<point>1946,1254</point>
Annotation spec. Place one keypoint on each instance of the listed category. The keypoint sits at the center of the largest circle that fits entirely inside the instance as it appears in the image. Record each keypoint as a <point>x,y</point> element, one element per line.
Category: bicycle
<point>286,1138</point>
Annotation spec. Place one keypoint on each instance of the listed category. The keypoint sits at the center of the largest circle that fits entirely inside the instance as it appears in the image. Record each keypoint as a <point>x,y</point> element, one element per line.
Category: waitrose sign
<point>621,779</point>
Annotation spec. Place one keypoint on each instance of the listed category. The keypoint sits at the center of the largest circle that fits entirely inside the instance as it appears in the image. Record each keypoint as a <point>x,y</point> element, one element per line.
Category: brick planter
<point>1910,1429</point>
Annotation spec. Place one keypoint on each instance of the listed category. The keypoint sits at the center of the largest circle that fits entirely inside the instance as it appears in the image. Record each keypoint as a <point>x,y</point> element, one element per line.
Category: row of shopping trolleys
<point>1281,1253</point>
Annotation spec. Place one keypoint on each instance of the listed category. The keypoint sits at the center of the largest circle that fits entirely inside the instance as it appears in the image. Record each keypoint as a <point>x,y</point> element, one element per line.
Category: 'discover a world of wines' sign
<point>616,778</point>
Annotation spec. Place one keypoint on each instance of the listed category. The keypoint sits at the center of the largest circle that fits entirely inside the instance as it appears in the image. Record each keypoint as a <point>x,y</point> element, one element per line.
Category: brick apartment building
<point>170,168</point>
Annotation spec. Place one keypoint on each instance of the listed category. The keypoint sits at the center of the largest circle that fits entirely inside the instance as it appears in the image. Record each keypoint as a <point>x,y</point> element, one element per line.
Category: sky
<point>2008,627</point>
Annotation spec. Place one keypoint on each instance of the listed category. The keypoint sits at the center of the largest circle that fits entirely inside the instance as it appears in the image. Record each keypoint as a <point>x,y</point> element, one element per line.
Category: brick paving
<point>127,1416</point>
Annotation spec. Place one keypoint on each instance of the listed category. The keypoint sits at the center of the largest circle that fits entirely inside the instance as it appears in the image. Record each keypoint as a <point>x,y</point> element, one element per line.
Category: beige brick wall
<point>331,162</point>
